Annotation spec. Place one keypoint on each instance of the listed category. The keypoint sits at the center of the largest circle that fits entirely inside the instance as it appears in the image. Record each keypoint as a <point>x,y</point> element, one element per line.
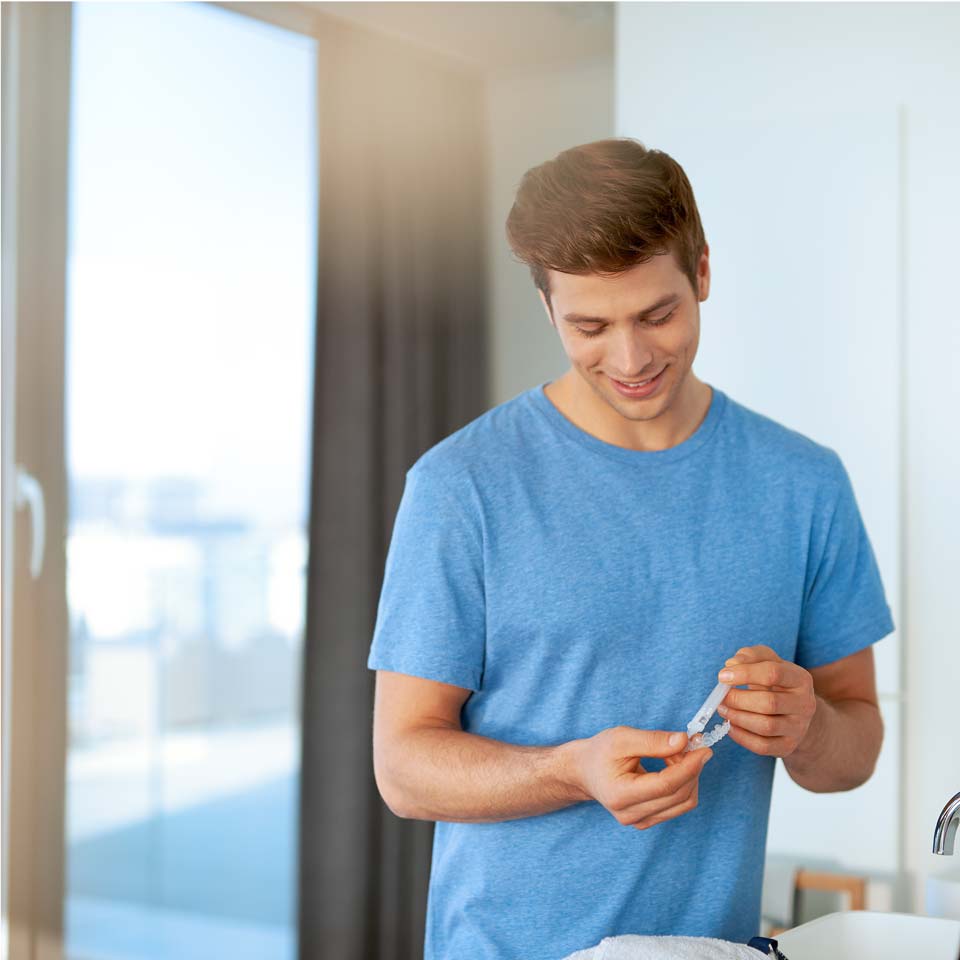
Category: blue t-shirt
<point>574,585</point>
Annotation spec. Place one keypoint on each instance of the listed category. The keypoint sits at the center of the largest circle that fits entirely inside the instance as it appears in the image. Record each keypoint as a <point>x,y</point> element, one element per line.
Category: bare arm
<point>843,742</point>
<point>824,723</point>
<point>428,768</point>
<point>446,774</point>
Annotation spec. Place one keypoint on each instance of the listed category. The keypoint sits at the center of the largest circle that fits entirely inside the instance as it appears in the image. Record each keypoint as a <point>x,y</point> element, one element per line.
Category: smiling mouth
<point>638,383</point>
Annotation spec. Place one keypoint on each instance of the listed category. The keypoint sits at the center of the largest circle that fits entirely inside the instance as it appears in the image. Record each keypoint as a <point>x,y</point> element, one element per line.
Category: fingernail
<point>675,739</point>
<point>726,675</point>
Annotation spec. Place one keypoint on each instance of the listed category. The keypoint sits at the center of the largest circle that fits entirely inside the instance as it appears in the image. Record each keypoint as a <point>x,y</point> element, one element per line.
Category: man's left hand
<point>773,715</point>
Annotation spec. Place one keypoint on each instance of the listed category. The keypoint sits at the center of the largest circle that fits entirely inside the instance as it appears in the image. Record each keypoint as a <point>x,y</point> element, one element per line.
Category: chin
<point>630,412</point>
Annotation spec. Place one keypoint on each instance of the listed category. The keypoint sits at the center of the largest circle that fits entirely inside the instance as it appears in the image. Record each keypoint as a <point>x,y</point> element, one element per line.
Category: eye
<point>583,331</point>
<point>662,320</point>
<point>596,331</point>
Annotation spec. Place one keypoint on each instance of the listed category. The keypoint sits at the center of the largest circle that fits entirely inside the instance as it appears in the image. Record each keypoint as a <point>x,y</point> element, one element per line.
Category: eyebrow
<point>637,315</point>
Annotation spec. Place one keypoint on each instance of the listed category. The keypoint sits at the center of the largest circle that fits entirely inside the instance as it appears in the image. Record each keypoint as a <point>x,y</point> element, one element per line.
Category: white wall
<point>531,116</point>
<point>822,142</point>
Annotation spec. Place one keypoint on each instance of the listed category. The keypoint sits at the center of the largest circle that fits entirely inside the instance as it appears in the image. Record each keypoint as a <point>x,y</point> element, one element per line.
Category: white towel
<point>634,947</point>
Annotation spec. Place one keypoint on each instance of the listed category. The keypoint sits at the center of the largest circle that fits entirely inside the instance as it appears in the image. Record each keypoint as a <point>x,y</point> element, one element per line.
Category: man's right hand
<point>609,771</point>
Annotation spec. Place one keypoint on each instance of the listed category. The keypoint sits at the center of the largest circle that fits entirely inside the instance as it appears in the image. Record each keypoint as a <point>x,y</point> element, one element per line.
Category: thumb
<point>655,743</point>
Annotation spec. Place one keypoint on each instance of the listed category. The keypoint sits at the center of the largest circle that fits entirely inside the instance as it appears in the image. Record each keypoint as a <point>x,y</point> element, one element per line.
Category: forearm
<point>439,773</point>
<point>841,747</point>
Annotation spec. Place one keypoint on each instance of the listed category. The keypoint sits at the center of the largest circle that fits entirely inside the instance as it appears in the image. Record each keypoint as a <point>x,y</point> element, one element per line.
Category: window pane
<point>191,276</point>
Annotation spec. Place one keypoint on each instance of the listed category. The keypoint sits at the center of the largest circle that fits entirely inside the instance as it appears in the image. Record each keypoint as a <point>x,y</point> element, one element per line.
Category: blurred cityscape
<point>179,618</point>
<point>183,767</point>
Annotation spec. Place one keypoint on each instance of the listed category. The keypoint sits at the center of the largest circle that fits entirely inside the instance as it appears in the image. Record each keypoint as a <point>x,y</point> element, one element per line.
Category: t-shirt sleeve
<point>845,608</point>
<point>431,618</point>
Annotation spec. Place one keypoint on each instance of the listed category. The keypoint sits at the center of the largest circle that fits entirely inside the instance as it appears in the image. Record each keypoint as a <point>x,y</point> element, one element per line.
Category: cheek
<point>680,342</point>
<point>582,352</point>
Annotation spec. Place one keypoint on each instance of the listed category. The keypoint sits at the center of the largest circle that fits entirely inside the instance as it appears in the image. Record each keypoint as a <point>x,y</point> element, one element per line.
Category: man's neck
<point>581,405</point>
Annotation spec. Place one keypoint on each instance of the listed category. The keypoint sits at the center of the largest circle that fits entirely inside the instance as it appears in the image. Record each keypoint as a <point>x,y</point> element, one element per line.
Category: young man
<point>571,573</point>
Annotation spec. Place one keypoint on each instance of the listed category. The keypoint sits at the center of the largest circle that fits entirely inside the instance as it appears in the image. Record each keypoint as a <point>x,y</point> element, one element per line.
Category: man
<point>571,573</point>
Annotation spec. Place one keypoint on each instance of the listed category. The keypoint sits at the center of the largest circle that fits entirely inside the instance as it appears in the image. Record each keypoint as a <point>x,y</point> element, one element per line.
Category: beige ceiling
<point>491,36</point>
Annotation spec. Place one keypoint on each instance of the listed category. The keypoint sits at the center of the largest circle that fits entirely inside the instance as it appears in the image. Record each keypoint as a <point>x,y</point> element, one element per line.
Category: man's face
<point>643,325</point>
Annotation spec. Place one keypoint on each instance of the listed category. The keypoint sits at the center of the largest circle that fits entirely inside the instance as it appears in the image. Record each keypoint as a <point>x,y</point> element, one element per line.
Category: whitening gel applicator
<point>702,717</point>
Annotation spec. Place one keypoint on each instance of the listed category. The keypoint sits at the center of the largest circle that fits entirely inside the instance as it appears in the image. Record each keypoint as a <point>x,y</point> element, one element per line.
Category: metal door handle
<point>30,493</point>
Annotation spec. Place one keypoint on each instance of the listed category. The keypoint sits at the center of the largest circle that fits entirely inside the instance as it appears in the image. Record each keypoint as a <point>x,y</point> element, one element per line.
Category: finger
<point>652,808</point>
<point>764,746</point>
<point>669,813</point>
<point>766,673</point>
<point>681,757</point>
<point>694,743</point>
<point>754,654</point>
<point>764,724</point>
<point>762,700</point>
<point>664,783</point>
<point>631,742</point>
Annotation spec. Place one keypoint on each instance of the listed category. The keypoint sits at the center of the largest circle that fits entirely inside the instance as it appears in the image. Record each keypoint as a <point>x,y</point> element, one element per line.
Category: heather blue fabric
<point>574,585</point>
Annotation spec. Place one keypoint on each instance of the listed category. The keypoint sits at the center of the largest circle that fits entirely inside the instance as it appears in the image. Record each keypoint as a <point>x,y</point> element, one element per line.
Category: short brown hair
<point>603,207</point>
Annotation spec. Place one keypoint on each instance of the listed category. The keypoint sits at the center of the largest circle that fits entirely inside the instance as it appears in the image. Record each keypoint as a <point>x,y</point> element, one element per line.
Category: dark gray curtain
<point>400,364</point>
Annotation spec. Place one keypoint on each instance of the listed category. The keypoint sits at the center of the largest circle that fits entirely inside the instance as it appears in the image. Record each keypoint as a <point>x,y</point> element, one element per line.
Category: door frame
<point>36,101</point>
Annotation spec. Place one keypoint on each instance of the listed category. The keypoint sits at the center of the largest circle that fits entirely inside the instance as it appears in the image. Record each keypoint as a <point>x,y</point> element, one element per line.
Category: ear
<point>546,306</point>
<point>703,273</point>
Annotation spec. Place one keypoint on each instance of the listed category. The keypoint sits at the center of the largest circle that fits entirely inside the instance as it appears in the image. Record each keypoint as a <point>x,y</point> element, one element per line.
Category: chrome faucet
<point>945,833</point>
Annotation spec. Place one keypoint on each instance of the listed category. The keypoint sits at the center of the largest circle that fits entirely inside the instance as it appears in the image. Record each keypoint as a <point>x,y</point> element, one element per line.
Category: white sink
<point>878,936</point>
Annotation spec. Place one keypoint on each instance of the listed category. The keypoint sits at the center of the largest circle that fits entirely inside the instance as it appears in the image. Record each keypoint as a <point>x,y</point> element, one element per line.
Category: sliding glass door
<point>188,346</point>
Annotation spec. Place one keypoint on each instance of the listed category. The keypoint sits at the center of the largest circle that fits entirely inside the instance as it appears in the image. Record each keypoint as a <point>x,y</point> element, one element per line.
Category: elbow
<point>863,770</point>
<point>381,774</point>
<point>876,746</point>
<point>856,779</point>
<point>389,795</point>
<point>390,804</point>
<point>385,775</point>
<point>870,756</point>
<point>847,769</point>
<point>398,811</point>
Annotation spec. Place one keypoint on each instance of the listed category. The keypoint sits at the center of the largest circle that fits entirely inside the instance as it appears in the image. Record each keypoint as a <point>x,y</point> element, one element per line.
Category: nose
<point>631,355</point>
